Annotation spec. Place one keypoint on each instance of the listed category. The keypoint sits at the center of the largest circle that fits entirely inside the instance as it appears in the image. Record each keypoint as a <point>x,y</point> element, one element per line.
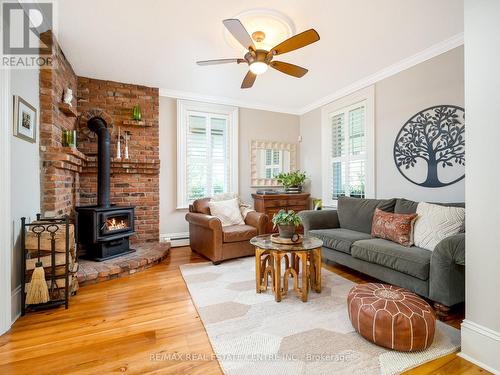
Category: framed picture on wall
<point>25,120</point>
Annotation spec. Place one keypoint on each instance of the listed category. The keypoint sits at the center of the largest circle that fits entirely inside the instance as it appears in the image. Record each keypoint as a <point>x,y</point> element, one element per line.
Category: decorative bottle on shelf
<point>136,113</point>
<point>126,136</point>
<point>119,146</point>
<point>73,139</point>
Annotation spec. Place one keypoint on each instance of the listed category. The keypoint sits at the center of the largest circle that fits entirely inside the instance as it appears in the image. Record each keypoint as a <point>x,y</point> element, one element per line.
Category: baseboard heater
<point>176,239</point>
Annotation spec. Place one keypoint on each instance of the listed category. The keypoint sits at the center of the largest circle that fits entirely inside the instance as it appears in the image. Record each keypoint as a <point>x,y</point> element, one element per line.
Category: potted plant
<point>292,181</point>
<point>287,222</point>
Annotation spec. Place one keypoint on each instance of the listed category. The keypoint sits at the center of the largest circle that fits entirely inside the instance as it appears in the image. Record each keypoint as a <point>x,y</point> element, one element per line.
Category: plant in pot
<point>287,222</point>
<point>292,181</point>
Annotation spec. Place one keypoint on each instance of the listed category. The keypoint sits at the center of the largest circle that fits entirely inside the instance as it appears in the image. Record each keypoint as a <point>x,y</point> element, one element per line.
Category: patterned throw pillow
<point>393,227</point>
<point>435,223</point>
<point>228,211</point>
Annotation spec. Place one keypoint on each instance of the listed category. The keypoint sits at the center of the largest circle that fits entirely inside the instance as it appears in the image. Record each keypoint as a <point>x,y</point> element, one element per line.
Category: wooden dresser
<point>272,203</point>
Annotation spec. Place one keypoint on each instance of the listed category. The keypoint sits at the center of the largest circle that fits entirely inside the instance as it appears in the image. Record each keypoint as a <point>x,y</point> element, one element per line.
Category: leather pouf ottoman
<point>391,317</point>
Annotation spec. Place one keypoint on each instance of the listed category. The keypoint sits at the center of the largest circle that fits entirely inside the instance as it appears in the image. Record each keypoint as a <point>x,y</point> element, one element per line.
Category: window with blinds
<point>348,152</point>
<point>273,163</point>
<point>207,155</point>
<point>207,150</point>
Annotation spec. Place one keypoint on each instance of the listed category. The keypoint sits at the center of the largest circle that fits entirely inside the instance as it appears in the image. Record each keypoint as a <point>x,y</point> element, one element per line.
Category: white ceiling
<point>157,42</point>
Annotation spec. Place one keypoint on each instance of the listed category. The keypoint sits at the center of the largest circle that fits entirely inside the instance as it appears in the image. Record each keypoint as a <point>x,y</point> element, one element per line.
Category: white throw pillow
<point>435,222</point>
<point>227,211</point>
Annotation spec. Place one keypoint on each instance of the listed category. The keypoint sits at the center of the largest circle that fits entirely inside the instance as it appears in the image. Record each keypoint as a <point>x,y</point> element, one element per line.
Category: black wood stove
<point>103,231</point>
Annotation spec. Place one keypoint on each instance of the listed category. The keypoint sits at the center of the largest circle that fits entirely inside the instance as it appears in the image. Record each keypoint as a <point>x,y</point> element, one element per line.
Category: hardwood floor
<point>137,325</point>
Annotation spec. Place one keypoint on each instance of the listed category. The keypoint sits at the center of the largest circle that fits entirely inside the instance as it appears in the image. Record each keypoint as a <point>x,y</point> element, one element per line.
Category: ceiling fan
<point>259,60</point>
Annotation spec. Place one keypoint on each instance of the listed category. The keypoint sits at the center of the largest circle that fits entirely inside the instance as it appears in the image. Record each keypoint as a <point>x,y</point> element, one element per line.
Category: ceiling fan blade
<point>248,80</point>
<point>236,28</point>
<point>290,69</point>
<point>296,42</point>
<point>219,61</point>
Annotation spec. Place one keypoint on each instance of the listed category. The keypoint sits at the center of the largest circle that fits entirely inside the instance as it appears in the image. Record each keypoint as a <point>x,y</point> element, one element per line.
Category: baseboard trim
<point>176,239</point>
<point>481,345</point>
<point>16,303</point>
<point>477,363</point>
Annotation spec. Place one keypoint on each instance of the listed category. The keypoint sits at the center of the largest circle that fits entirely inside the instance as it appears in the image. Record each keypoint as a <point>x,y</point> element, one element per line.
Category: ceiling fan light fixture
<point>258,67</point>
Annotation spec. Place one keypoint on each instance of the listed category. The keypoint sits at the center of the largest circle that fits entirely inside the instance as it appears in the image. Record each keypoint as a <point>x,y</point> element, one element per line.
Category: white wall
<point>481,329</point>
<point>433,82</point>
<point>171,219</point>
<point>266,126</point>
<point>253,124</point>
<point>25,176</point>
<point>397,98</point>
<point>310,151</point>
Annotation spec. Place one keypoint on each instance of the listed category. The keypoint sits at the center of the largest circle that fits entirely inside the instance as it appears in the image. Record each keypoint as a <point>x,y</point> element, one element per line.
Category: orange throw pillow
<point>394,227</point>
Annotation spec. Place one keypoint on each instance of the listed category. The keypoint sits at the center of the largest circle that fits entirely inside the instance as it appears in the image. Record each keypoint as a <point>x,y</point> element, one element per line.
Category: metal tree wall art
<point>430,147</point>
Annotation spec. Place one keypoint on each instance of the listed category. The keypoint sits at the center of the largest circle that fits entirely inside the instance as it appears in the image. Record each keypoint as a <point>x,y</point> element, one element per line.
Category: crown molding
<point>225,101</point>
<point>428,53</point>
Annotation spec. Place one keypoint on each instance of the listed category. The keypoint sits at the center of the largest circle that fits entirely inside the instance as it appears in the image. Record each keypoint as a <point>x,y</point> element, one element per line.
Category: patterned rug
<point>252,334</point>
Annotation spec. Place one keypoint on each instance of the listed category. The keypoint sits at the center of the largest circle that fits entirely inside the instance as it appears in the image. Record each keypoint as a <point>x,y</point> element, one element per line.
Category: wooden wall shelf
<point>68,110</point>
<point>135,123</point>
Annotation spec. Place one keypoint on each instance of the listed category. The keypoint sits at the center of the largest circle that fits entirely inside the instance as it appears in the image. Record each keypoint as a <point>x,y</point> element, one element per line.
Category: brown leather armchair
<point>209,238</point>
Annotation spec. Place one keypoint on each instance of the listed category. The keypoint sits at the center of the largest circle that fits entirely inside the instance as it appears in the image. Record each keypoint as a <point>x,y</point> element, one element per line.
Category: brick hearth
<point>147,254</point>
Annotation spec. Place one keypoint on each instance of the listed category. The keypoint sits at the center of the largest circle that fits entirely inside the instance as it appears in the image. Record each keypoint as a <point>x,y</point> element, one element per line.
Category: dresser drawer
<point>276,203</point>
<point>298,202</point>
<point>271,205</point>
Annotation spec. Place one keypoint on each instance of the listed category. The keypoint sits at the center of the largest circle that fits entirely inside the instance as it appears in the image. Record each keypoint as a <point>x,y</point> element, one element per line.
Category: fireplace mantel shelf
<point>125,166</point>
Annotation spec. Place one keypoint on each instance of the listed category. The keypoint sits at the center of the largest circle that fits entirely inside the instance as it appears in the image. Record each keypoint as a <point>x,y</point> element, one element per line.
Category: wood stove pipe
<point>99,126</point>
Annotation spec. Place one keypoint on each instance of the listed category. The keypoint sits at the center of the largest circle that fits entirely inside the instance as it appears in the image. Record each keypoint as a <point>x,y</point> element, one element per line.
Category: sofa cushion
<point>412,261</point>
<point>405,206</point>
<point>357,214</point>
<point>237,233</point>
<point>339,239</point>
<point>228,212</point>
<point>393,227</point>
<point>435,223</point>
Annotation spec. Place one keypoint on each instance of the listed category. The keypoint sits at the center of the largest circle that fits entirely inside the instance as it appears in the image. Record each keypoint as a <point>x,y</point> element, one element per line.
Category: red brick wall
<point>134,181</point>
<point>59,183</point>
<point>69,178</point>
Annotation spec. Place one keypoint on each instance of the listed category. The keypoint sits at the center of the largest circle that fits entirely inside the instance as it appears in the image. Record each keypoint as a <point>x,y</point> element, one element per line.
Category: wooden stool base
<point>303,264</point>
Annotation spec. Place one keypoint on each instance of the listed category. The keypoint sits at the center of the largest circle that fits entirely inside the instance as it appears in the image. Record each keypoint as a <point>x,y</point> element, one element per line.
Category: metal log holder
<point>52,226</point>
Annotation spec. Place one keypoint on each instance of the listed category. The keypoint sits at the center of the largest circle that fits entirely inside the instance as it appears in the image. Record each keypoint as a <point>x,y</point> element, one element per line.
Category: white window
<point>207,144</point>
<point>347,134</point>
<point>273,163</point>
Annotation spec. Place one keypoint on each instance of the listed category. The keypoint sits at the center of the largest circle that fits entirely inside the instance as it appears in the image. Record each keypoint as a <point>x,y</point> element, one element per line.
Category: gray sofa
<point>438,275</point>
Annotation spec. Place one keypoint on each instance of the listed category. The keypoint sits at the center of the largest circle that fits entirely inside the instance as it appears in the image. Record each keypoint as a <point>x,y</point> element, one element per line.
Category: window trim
<point>183,109</point>
<point>367,96</point>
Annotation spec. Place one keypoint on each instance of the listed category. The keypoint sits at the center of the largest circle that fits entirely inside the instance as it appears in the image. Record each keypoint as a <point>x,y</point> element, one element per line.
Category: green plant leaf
<point>282,217</point>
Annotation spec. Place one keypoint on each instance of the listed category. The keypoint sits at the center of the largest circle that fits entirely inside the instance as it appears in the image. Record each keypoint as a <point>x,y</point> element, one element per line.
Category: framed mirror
<point>269,159</point>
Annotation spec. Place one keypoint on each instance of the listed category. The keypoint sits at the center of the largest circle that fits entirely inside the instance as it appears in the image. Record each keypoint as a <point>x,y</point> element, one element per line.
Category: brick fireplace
<point>69,176</point>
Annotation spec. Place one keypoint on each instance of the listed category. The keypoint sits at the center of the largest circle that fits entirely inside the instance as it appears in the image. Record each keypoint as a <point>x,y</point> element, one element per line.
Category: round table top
<point>264,242</point>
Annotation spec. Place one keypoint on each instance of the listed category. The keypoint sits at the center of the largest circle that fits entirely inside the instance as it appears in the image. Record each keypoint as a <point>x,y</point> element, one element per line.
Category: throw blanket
<point>245,208</point>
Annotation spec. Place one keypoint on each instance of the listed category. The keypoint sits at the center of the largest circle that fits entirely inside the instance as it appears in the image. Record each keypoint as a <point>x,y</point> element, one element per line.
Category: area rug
<point>252,334</point>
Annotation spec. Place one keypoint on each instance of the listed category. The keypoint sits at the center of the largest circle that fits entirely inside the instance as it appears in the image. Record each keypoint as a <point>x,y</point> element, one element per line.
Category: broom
<point>38,291</point>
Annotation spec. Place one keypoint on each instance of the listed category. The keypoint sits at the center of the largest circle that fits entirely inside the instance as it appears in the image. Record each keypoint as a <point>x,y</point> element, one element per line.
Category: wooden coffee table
<point>304,257</point>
